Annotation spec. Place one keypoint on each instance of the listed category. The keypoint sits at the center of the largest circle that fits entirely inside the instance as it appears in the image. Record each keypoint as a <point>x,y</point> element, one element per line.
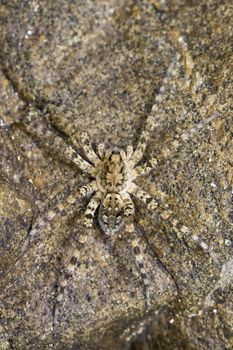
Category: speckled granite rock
<point>99,65</point>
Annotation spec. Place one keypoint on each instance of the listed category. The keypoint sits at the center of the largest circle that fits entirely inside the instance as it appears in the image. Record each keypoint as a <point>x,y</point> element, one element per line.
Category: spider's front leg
<point>169,150</point>
<point>150,122</point>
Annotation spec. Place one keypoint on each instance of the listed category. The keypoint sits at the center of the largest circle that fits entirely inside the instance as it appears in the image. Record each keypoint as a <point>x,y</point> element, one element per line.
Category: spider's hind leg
<point>134,243</point>
<point>140,261</point>
<point>166,214</point>
<point>74,254</point>
<point>60,209</point>
<point>91,209</point>
<point>69,269</point>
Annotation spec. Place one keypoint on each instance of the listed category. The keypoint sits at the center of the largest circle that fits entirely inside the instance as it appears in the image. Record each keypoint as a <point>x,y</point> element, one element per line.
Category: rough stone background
<point>99,65</point>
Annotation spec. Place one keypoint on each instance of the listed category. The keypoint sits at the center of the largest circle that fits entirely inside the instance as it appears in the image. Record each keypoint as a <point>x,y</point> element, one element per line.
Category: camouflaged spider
<point>112,187</point>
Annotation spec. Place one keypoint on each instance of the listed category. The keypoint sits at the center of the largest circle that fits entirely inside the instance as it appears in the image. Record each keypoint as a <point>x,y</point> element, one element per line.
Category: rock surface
<point>98,66</point>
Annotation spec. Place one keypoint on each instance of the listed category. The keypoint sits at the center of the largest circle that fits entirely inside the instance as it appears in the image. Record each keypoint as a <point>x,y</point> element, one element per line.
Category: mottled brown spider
<point>112,187</point>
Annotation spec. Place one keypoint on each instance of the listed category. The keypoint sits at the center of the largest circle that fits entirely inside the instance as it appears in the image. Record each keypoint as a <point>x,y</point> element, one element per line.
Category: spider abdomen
<point>111,213</point>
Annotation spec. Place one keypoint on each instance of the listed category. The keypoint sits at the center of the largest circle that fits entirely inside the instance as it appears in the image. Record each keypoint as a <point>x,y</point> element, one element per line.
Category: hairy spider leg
<point>59,209</point>
<point>167,152</point>
<point>193,78</point>
<point>70,127</point>
<point>87,147</point>
<point>101,150</point>
<point>150,122</point>
<point>145,197</point>
<point>63,282</point>
<point>91,209</point>
<point>166,214</point>
<point>133,239</point>
<point>128,207</point>
<point>34,127</point>
<point>78,160</point>
<point>70,268</point>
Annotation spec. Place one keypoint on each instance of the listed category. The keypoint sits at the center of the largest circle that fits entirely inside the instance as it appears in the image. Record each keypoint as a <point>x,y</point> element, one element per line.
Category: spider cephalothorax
<point>111,172</point>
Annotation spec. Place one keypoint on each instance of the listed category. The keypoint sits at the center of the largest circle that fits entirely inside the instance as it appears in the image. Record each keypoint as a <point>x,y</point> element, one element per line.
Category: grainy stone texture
<point>100,64</point>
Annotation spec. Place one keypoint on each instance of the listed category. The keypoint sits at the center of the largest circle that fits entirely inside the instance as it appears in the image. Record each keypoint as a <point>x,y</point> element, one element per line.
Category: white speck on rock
<point>228,242</point>
<point>225,280</point>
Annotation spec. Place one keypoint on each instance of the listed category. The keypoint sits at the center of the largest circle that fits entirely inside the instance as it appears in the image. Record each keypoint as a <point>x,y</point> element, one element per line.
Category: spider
<point>112,187</point>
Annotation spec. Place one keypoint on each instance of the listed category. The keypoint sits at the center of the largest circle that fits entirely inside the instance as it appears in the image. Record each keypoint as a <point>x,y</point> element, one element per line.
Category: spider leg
<point>78,160</point>
<point>193,81</point>
<point>87,147</point>
<point>70,127</point>
<point>132,237</point>
<point>91,208</point>
<point>150,122</point>
<point>88,218</point>
<point>54,142</point>
<point>139,260</point>
<point>128,207</point>
<point>145,197</point>
<point>147,167</point>
<point>101,150</point>
<point>166,214</point>
<point>167,152</point>
<point>193,78</point>
<point>67,274</point>
<point>59,209</point>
